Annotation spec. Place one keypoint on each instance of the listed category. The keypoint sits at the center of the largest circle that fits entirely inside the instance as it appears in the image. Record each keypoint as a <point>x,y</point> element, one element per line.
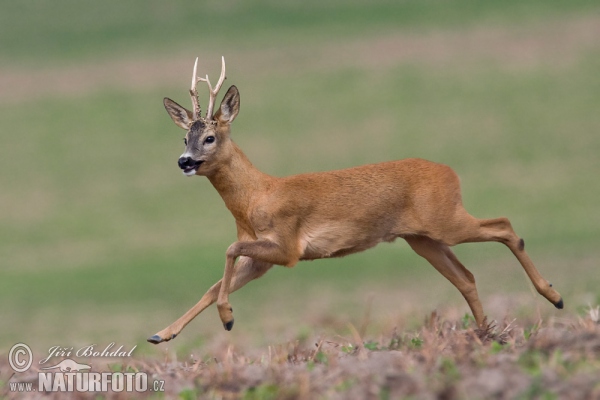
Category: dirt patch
<point>554,43</point>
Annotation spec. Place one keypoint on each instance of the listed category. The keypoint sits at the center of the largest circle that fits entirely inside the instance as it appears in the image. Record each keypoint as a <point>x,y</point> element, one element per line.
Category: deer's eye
<point>185,141</point>
<point>209,139</point>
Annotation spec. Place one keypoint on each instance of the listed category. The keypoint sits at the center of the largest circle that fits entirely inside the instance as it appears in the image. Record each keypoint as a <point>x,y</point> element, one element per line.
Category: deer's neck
<point>237,180</point>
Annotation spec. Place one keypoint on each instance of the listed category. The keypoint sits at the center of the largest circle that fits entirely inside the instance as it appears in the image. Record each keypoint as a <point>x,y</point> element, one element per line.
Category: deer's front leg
<point>246,270</point>
<point>260,250</point>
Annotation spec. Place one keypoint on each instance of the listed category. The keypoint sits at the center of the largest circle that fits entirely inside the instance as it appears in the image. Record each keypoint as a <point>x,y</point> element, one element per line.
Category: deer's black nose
<point>185,162</point>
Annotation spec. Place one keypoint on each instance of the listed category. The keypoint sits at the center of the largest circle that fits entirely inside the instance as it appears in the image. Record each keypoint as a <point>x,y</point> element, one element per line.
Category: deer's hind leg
<point>500,230</point>
<point>443,259</point>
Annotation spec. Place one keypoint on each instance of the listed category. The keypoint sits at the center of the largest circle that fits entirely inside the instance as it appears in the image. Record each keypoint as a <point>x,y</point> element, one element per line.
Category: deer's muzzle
<point>188,165</point>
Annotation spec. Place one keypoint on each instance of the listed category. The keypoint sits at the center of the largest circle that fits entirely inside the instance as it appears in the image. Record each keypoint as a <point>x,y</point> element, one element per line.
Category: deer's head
<point>207,142</point>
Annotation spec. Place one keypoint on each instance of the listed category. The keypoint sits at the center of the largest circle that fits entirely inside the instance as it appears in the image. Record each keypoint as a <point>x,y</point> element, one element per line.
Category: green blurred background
<point>103,239</point>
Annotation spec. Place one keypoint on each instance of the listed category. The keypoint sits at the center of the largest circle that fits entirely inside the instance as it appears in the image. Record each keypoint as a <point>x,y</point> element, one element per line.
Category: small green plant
<point>189,394</point>
<point>531,361</point>
<point>395,343</point>
<point>416,342</point>
<point>373,346</point>
<point>467,320</point>
<point>262,392</point>
<point>115,367</point>
<point>321,357</point>
<point>118,367</point>
<point>537,391</point>
<point>348,349</point>
<point>496,348</point>
<point>449,369</point>
<point>528,332</point>
<point>345,385</point>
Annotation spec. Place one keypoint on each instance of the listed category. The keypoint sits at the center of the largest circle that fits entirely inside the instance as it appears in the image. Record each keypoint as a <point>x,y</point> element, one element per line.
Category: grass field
<point>96,240</point>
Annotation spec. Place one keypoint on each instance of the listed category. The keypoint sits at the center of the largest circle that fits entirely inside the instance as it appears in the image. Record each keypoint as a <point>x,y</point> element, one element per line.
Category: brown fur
<point>332,214</point>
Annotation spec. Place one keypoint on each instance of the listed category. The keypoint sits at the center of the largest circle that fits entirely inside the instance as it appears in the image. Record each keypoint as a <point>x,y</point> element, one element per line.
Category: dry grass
<point>442,359</point>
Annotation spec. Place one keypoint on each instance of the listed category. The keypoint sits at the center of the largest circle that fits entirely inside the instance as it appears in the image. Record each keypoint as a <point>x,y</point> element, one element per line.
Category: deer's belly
<point>337,241</point>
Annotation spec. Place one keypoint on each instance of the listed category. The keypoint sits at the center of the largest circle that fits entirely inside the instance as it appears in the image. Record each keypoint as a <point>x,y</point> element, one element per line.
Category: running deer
<point>329,214</point>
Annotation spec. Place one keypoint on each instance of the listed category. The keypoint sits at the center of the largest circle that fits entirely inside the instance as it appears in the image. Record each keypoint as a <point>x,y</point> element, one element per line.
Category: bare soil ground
<point>442,359</point>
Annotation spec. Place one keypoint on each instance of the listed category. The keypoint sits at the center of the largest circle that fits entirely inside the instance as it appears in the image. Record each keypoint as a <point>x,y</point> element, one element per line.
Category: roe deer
<point>329,214</point>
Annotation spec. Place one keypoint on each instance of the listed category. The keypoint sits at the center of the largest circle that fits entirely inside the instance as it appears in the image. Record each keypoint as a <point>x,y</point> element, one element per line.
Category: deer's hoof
<point>228,325</point>
<point>157,339</point>
<point>559,304</point>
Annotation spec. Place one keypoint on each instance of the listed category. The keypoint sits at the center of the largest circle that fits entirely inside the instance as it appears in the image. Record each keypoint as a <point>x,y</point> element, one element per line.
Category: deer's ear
<point>230,107</point>
<point>181,116</point>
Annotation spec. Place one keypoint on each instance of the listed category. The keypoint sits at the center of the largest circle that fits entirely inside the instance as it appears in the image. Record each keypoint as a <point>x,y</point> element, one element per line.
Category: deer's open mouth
<point>191,170</point>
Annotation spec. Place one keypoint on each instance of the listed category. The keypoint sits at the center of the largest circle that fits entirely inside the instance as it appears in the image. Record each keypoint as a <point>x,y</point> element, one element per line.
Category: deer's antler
<point>194,92</point>
<point>213,92</point>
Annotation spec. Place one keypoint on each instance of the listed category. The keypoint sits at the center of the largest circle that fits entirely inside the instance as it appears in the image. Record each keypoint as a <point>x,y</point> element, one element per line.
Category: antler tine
<point>194,92</point>
<point>215,91</point>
